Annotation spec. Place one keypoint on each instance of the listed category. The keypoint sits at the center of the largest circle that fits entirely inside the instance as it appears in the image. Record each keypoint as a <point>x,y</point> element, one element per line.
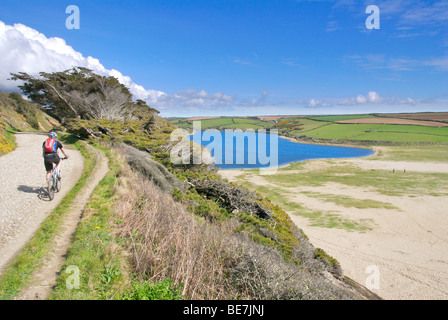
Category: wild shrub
<point>202,258</point>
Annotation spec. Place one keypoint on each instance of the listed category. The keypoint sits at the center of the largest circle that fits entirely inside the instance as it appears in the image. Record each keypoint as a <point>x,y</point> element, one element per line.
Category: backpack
<point>50,146</point>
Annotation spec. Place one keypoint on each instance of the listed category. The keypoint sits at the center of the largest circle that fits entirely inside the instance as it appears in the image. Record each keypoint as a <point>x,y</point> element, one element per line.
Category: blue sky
<point>246,57</point>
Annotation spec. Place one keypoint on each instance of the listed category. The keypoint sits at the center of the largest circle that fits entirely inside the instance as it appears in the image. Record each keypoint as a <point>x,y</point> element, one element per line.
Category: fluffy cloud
<point>193,100</point>
<point>27,50</point>
<point>317,103</point>
<point>24,49</point>
<point>373,98</point>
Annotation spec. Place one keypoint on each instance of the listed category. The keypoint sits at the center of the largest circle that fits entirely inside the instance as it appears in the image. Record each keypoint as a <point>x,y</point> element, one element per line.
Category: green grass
<point>430,153</point>
<point>247,126</point>
<point>342,117</point>
<point>317,218</point>
<point>305,124</point>
<point>381,132</point>
<point>7,139</point>
<point>146,290</point>
<point>255,122</point>
<point>18,273</point>
<point>94,251</point>
<point>225,123</point>
<point>216,123</point>
<point>384,182</point>
<point>350,202</point>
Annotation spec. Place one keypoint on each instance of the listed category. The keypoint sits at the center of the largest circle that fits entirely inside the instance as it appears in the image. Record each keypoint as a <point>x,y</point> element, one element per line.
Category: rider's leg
<point>48,175</point>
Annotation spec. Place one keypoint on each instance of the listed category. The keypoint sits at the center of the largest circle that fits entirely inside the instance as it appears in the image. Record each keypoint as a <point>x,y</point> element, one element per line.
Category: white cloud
<point>382,62</point>
<point>193,99</point>
<point>373,98</point>
<point>317,103</point>
<point>23,49</point>
<point>438,63</point>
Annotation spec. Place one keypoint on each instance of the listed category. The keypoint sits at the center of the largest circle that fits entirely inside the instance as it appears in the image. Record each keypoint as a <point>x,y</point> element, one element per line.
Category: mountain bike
<point>54,182</point>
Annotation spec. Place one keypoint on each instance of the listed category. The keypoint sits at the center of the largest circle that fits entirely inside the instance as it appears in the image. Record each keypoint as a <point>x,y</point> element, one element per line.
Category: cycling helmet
<point>53,135</point>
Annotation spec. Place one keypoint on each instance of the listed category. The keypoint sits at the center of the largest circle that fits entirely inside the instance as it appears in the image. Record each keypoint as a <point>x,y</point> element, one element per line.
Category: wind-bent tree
<point>78,93</point>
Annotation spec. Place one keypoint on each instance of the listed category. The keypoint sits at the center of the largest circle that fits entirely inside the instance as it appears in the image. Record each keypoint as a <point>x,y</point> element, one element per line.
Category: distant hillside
<point>356,129</point>
<point>18,114</point>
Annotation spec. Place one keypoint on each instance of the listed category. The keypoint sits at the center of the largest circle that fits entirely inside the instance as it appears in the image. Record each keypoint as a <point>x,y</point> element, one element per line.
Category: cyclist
<point>50,149</point>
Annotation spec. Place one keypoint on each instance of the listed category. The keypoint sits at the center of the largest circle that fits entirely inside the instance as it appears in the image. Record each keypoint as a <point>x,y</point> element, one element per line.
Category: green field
<point>306,124</point>
<point>342,117</point>
<point>380,132</point>
<point>225,123</point>
<point>323,127</point>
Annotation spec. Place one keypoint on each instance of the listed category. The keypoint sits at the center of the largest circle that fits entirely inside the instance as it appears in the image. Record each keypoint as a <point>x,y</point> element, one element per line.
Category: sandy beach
<point>407,247</point>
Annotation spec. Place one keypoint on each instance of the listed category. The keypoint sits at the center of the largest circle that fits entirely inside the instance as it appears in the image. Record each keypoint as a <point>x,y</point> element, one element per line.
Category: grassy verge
<point>94,251</point>
<point>18,273</point>
<point>99,256</point>
<point>7,139</point>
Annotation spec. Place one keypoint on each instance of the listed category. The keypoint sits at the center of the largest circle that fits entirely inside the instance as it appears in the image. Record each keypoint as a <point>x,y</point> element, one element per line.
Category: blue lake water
<point>243,150</point>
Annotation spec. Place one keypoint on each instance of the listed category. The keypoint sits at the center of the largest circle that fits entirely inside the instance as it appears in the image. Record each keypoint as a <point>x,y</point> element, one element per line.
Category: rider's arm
<point>65,154</point>
<point>61,147</point>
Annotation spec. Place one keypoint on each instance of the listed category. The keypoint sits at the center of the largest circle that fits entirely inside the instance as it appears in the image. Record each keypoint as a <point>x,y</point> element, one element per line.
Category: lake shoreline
<point>345,145</point>
<point>375,150</point>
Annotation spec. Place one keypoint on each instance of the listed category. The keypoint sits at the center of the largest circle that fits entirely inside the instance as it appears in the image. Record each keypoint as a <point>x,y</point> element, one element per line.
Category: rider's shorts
<point>49,159</point>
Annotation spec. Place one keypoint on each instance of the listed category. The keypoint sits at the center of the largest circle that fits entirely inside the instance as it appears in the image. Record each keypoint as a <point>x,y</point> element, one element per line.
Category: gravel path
<point>24,202</point>
<point>44,279</point>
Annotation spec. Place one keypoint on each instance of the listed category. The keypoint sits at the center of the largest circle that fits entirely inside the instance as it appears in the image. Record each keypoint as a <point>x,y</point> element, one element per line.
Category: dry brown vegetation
<point>209,260</point>
<point>166,242</point>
